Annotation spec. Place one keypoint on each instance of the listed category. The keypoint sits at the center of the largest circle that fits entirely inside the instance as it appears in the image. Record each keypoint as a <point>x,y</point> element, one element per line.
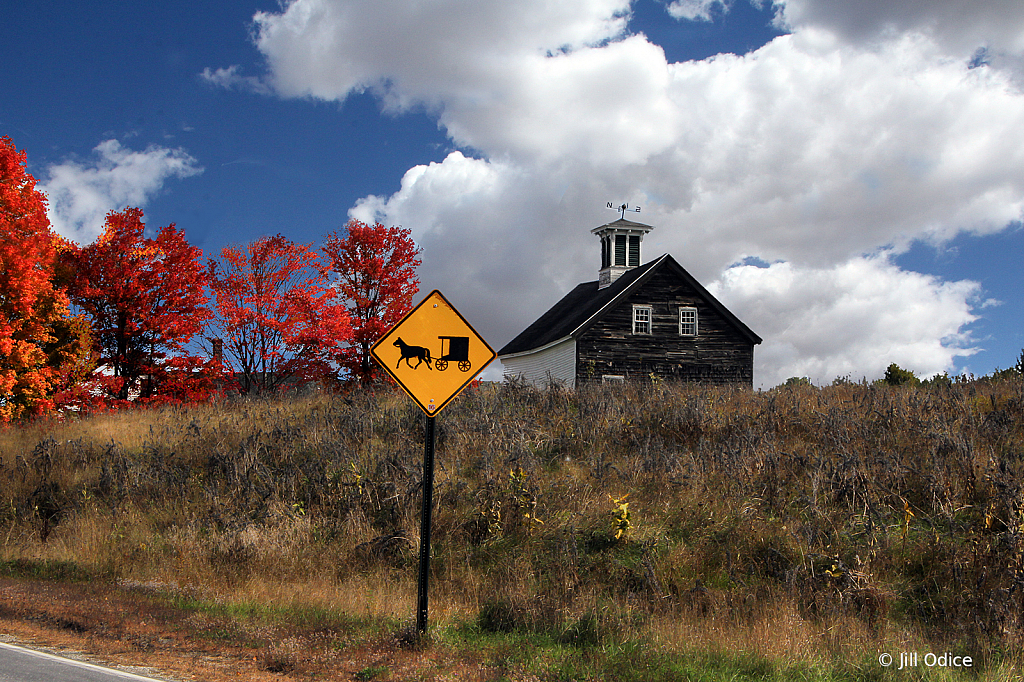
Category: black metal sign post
<point>405,354</point>
<point>428,506</point>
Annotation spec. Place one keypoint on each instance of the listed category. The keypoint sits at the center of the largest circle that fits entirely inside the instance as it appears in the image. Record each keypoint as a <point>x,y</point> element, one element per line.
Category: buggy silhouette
<point>458,351</point>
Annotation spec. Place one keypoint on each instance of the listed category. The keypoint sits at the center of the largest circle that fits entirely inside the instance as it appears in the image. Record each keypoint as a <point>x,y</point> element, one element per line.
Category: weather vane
<point>623,208</point>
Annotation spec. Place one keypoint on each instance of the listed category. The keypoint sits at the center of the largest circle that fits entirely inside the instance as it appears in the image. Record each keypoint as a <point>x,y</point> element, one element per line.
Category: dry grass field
<point>634,532</point>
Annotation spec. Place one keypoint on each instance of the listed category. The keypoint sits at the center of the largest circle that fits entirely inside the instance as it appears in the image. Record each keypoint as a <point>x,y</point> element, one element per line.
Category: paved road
<point>18,664</point>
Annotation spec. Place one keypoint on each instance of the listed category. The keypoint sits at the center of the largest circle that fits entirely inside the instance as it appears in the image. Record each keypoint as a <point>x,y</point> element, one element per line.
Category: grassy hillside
<point>801,531</point>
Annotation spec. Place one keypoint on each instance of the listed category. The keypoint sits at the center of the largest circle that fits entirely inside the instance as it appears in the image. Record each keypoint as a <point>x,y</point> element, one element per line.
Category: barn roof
<point>586,304</point>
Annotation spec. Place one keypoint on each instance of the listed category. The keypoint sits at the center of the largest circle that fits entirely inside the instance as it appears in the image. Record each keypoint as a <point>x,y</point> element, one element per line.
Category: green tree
<point>897,376</point>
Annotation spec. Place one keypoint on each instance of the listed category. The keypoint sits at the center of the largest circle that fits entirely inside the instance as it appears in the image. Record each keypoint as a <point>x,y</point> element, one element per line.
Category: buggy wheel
<point>464,365</point>
<point>441,364</point>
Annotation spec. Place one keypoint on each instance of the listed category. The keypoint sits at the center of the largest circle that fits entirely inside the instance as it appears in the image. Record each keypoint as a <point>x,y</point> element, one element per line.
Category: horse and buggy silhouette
<point>458,352</point>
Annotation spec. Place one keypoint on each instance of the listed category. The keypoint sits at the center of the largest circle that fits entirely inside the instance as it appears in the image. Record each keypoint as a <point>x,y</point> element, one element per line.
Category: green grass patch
<point>373,672</point>
<point>46,569</point>
<point>553,659</point>
<point>301,616</point>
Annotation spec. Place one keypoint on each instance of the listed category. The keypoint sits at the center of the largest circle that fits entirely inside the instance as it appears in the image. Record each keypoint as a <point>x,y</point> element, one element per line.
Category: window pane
<point>642,320</point>
<point>688,321</point>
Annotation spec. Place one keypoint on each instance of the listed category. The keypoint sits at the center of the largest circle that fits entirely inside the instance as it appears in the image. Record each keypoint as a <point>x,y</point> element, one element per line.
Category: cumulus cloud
<point>815,150</point>
<point>696,10</point>
<point>959,26</point>
<point>329,48</point>
<point>819,149</point>
<point>80,195</point>
<point>849,320</point>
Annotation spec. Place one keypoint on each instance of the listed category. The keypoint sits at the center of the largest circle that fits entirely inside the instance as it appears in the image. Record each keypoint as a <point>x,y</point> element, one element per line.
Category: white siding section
<point>556,362</point>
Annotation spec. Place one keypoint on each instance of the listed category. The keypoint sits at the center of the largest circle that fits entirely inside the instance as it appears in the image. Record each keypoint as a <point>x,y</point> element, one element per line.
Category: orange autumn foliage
<point>43,348</point>
<point>374,270</point>
<point>145,298</point>
<point>280,323</point>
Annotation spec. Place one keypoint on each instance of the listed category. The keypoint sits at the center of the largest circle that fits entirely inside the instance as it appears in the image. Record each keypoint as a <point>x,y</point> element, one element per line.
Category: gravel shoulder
<point>134,628</point>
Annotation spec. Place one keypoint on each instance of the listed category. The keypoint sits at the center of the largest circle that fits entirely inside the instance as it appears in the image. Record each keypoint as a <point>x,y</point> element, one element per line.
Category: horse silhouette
<point>409,352</point>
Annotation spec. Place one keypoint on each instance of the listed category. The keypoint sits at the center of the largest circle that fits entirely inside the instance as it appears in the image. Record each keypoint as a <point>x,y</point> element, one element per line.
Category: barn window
<point>688,322</point>
<point>641,319</point>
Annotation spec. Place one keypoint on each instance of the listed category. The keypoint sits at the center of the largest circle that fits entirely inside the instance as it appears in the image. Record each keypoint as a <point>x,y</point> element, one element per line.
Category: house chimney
<point>620,248</point>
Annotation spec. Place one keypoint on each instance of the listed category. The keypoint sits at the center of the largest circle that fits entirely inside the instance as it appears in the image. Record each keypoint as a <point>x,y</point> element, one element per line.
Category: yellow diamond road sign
<point>433,353</point>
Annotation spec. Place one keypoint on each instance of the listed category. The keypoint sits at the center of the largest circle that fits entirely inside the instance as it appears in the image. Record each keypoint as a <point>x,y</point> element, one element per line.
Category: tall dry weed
<point>875,510</point>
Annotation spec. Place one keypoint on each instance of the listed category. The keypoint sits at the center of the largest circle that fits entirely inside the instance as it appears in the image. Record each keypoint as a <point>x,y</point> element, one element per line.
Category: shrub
<point>897,376</point>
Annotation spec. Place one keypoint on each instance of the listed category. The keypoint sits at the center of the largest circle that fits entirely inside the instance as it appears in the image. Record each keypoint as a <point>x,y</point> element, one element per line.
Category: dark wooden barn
<point>635,321</point>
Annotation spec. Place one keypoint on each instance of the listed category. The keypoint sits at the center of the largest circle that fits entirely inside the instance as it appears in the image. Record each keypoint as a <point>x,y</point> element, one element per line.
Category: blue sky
<point>847,177</point>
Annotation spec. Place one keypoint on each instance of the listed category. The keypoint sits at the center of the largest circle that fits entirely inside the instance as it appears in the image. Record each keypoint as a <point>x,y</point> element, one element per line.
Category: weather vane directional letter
<point>623,208</point>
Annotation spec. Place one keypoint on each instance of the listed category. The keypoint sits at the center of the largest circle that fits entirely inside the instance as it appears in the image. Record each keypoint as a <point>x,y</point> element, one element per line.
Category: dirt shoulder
<point>137,628</point>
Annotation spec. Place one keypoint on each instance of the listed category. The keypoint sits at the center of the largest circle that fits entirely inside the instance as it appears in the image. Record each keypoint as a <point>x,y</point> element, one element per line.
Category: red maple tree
<point>279,322</point>
<point>146,301</point>
<point>43,348</point>
<point>374,269</point>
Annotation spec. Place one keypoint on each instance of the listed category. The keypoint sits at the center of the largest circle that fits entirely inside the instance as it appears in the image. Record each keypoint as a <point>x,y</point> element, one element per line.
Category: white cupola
<point>620,248</point>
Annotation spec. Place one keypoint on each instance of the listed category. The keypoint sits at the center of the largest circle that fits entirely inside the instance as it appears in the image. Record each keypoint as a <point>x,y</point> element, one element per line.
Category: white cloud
<point>852,319</point>
<point>960,26</point>
<point>329,48</point>
<point>696,10</point>
<point>81,195</point>
<point>816,149</point>
<point>230,78</point>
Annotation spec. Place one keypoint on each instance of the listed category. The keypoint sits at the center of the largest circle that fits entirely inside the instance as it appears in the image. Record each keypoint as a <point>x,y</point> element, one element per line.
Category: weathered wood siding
<point>719,354</point>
